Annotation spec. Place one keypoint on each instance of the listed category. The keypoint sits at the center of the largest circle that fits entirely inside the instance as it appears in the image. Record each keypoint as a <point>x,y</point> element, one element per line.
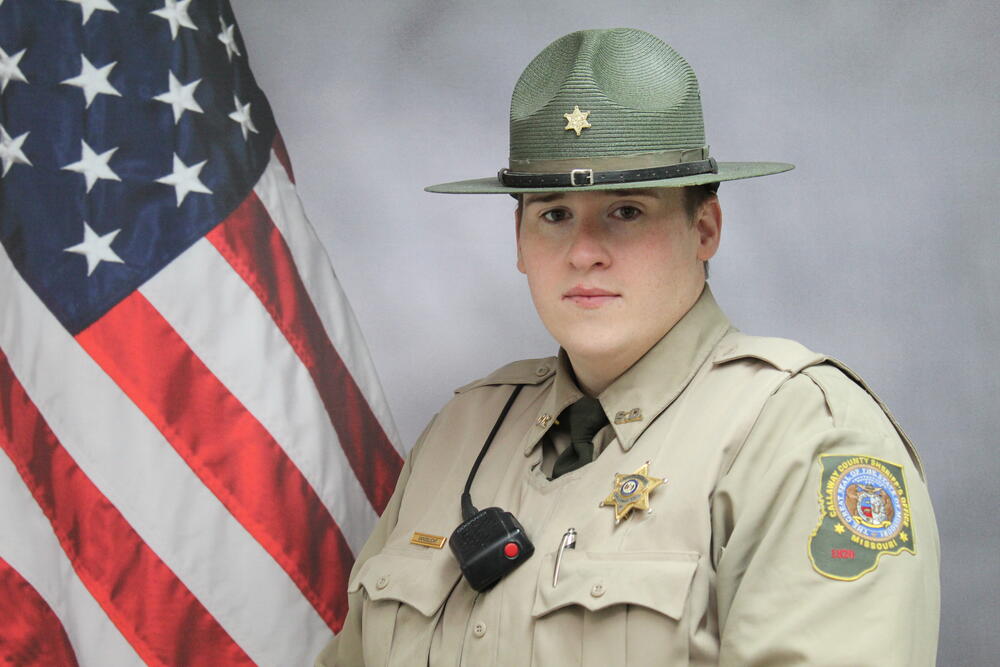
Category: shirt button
<point>542,370</point>
<point>597,590</point>
<point>479,629</point>
<point>382,582</point>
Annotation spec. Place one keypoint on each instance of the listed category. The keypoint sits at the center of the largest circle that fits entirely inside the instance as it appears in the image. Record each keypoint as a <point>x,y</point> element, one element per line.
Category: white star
<point>185,179</point>
<point>180,97</point>
<point>176,13</point>
<point>94,81</point>
<point>227,38</point>
<point>93,166</point>
<point>10,150</point>
<point>9,71</point>
<point>242,116</point>
<point>96,248</point>
<point>90,6</point>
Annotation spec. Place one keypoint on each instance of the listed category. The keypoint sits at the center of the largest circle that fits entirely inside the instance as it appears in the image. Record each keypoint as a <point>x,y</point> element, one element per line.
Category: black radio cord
<point>468,509</point>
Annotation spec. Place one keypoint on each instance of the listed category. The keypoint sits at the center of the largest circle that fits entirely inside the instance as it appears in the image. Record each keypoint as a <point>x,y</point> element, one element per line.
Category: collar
<point>646,389</point>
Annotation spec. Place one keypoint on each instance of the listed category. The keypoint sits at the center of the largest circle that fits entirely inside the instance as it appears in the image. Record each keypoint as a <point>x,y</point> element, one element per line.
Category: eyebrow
<point>552,196</point>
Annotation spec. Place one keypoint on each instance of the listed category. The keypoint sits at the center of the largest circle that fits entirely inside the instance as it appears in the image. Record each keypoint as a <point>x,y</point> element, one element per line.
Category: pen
<point>568,541</point>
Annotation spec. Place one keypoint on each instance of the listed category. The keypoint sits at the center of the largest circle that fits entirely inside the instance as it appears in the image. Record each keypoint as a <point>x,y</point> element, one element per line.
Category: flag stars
<point>185,179</point>
<point>96,248</point>
<point>9,70</point>
<point>176,14</point>
<point>90,6</point>
<point>10,150</point>
<point>228,39</point>
<point>93,166</point>
<point>242,116</point>
<point>93,80</point>
<point>180,97</point>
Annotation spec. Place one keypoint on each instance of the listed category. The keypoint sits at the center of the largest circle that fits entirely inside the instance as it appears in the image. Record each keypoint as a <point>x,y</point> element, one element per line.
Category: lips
<point>589,297</point>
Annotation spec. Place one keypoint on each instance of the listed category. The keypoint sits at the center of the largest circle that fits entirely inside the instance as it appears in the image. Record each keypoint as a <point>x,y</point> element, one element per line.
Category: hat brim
<point>728,171</point>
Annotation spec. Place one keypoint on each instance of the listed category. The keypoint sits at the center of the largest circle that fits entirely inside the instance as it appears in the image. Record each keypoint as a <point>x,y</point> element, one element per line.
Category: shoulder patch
<point>781,353</point>
<point>526,371</point>
<point>864,515</point>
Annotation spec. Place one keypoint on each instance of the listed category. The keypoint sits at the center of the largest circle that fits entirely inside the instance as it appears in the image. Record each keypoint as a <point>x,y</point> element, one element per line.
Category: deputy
<point>679,493</point>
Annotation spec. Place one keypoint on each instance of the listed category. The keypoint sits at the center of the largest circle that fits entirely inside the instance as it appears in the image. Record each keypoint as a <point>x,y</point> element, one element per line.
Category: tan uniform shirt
<point>794,526</point>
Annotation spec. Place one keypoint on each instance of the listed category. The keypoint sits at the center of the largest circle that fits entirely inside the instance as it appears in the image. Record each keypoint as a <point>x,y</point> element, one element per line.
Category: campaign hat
<point>607,109</point>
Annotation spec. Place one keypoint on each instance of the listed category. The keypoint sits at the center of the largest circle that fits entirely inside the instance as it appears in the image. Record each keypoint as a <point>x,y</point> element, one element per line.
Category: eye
<point>556,215</point>
<point>627,212</point>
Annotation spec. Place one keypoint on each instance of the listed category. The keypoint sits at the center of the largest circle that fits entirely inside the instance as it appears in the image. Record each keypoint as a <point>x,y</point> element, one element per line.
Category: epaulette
<point>526,371</point>
<point>793,358</point>
<point>781,353</point>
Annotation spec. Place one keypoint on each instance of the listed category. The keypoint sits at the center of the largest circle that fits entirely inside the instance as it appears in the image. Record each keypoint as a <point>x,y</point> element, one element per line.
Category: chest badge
<point>631,492</point>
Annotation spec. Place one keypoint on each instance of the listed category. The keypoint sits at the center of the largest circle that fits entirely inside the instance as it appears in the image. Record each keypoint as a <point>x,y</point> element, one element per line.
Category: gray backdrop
<point>878,249</point>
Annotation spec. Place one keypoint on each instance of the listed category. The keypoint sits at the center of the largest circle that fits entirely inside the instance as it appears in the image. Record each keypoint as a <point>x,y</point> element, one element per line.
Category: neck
<point>593,376</point>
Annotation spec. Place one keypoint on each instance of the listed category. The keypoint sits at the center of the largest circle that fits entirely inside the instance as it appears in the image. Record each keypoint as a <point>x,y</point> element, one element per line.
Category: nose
<point>588,247</point>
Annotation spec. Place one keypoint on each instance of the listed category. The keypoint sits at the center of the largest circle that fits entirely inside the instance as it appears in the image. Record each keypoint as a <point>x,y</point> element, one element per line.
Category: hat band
<point>584,177</point>
<point>647,160</point>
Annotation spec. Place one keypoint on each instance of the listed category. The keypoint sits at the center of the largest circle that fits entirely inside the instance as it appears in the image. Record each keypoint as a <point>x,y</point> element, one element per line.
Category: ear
<point>517,238</point>
<point>709,227</point>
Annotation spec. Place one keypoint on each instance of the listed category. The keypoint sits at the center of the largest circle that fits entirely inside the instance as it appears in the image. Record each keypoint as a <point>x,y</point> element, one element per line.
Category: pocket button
<point>479,629</point>
<point>382,582</point>
<point>597,590</point>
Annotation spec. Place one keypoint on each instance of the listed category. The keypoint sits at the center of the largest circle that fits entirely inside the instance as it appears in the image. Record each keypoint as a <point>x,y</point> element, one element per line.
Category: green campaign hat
<point>607,110</point>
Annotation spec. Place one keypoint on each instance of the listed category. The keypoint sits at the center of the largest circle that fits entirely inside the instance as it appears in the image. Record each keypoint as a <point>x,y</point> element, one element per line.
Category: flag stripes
<point>292,412</point>
<point>127,579</point>
<point>225,445</point>
<point>158,494</point>
<point>256,250</point>
<point>31,635</point>
<point>278,194</point>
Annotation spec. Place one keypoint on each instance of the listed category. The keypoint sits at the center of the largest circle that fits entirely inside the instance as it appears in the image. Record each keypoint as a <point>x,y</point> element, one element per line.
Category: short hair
<point>696,195</point>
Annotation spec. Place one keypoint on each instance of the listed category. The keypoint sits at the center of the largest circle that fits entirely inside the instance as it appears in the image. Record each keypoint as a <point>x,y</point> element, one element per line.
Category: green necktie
<point>585,418</point>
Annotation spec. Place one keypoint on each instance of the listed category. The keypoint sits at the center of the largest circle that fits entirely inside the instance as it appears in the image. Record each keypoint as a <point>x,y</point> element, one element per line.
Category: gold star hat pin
<point>631,492</point>
<point>576,120</point>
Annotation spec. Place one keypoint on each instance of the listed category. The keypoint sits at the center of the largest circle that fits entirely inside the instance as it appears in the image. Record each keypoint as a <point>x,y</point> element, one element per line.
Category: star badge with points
<point>576,120</point>
<point>631,492</point>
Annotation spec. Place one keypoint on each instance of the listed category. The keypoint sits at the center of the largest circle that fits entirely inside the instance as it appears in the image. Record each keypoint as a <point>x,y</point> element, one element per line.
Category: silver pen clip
<point>568,542</point>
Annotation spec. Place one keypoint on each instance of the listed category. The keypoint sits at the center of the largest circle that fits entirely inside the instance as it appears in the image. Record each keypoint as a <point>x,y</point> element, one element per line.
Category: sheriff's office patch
<point>865,514</point>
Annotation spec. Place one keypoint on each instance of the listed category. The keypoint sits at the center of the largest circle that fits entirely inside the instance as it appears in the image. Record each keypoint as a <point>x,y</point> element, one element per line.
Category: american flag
<point>194,443</point>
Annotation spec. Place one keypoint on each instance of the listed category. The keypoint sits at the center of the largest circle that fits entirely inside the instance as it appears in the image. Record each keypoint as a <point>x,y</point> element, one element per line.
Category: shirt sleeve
<point>775,605</point>
<point>346,647</point>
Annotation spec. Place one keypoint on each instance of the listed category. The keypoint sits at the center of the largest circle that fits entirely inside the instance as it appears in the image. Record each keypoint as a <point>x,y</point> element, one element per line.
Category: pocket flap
<point>656,580</point>
<point>417,581</point>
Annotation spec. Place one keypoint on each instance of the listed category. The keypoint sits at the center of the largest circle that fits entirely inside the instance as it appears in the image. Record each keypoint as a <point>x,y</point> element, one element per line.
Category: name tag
<point>425,540</point>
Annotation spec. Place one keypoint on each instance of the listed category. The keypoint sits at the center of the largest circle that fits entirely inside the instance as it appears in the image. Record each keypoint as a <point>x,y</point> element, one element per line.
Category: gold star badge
<point>839,529</point>
<point>631,492</point>
<point>576,120</point>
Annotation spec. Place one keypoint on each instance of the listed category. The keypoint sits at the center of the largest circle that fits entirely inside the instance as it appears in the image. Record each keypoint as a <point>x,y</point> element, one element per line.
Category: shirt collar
<point>645,390</point>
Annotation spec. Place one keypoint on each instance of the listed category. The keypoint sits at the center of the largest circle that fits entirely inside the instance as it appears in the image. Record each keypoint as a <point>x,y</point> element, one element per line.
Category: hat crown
<point>641,96</point>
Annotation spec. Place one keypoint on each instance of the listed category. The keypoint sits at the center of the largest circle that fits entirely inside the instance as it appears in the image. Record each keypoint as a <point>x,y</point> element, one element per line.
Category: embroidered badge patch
<point>865,514</point>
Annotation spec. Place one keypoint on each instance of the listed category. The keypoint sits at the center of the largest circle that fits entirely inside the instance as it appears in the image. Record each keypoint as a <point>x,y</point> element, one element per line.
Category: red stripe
<point>278,146</point>
<point>255,249</point>
<point>31,634</point>
<point>154,611</point>
<point>225,445</point>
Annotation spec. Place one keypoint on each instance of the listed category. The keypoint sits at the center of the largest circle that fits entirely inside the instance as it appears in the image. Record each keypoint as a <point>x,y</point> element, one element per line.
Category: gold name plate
<point>425,540</point>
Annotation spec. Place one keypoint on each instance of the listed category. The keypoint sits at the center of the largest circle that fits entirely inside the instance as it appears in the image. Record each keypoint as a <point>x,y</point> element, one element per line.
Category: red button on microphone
<point>511,550</point>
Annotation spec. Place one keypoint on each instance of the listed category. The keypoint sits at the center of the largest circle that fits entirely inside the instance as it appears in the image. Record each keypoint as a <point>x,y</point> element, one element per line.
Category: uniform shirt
<point>777,465</point>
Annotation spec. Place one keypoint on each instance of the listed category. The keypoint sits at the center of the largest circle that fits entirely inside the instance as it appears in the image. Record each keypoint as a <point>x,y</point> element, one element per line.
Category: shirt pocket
<point>403,597</point>
<point>613,609</point>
